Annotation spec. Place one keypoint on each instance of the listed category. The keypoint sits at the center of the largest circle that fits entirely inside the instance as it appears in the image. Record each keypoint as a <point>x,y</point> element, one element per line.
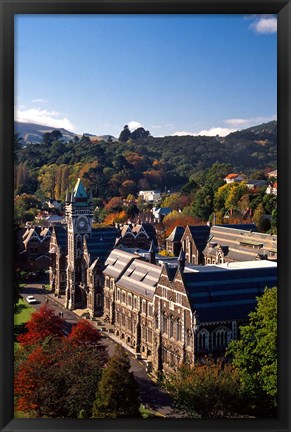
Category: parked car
<point>31,299</point>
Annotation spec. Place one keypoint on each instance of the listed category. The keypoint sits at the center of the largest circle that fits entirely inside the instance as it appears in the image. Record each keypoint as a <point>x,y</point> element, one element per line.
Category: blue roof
<point>101,243</point>
<point>223,294</point>
<point>62,237</point>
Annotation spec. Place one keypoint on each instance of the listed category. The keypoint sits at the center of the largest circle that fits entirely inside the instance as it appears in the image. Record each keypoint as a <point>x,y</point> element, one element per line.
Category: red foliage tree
<point>42,324</point>
<point>84,333</point>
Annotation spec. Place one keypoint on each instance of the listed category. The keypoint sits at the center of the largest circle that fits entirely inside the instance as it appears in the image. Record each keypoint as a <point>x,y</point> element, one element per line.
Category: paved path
<point>152,396</point>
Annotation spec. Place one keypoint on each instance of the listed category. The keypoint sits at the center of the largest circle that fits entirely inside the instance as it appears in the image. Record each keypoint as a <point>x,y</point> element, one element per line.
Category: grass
<point>146,413</point>
<point>23,312</point>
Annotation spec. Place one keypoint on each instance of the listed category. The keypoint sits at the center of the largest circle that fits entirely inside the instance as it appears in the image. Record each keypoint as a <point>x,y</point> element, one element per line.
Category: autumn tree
<point>255,355</point>
<point>208,389</point>
<point>117,394</point>
<point>42,324</point>
<point>58,378</point>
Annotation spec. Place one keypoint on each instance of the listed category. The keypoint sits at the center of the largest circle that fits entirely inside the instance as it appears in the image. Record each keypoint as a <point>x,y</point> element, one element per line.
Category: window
<point>221,337</point>
<point>117,317</point>
<point>156,321</point>
<point>123,320</point>
<point>165,324</point>
<point>107,282</point>
<point>144,306</point>
<point>179,329</point>
<point>179,298</point>
<point>203,340</point>
<point>135,302</point>
<point>129,323</point>
<point>150,335</point>
<point>118,294</point>
<point>123,297</point>
<point>188,338</point>
<point>171,326</point>
<point>150,310</point>
<point>164,292</point>
<point>129,299</point>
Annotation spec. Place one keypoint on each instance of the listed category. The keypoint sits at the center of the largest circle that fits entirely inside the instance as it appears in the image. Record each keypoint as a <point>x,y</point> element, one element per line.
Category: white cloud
<point>240,123</point>
<point>40,100</point>
<point>132,125</point>
<point>264,25</point>
<point>43,117</point>
<point>210,132</point>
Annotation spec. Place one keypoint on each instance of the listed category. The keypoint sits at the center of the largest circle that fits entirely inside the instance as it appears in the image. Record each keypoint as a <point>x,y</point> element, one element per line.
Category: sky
<point>171,74</point>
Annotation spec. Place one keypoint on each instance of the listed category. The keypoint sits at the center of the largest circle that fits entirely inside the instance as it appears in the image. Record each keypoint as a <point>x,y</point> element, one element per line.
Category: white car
<point>31,299</point>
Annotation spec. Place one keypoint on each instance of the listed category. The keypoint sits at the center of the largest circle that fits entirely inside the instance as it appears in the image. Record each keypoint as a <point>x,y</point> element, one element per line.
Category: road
<point>151,396</point>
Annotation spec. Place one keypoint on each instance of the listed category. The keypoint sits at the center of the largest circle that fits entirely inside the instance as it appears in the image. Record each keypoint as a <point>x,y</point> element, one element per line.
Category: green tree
<point>209,389</point>
<point>117,394</point>
<point>125,134</point>
<point>255,355</point>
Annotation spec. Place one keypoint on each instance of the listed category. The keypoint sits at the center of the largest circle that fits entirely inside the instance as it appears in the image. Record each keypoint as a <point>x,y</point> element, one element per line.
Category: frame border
<point>8,8</point>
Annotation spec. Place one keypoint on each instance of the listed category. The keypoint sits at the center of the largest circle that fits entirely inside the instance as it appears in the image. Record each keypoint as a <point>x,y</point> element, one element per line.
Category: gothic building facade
<point>78,254</point>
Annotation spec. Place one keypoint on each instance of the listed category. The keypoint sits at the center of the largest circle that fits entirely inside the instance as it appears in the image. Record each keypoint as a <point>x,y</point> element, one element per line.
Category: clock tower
<point>79,216</point>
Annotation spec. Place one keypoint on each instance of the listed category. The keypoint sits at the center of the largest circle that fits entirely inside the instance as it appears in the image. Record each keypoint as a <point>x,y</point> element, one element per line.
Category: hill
<point>32,133</point>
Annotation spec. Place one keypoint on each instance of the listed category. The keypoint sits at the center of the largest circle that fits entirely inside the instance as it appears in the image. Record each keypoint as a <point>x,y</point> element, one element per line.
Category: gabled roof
<point>62,237</point>
<point>221,292</point>
<point>199,233</point>
<point>232,175</point>
<point>176,234</point>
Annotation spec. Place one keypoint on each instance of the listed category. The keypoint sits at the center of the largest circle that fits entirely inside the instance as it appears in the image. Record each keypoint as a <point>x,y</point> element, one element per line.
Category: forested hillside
<point>122,168</point>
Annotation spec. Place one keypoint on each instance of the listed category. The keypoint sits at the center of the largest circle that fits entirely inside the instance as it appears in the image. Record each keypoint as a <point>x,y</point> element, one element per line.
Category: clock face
<point>81,223</point>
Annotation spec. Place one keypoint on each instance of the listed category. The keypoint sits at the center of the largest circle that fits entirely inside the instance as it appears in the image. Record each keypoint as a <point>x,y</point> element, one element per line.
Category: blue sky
<point>171,74</point>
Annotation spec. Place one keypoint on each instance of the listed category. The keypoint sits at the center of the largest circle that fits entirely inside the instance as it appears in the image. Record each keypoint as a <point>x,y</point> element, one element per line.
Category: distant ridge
<point>33,133</point>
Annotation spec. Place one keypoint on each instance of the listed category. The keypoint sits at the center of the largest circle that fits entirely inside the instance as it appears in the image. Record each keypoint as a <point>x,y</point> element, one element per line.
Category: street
<point>151,396</point>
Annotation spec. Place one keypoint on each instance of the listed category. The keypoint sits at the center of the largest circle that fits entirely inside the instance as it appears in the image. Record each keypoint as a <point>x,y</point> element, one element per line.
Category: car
<point>31,299</point>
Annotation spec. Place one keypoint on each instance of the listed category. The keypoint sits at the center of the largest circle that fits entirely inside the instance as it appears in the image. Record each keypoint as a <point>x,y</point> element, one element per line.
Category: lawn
<point>23,312</point>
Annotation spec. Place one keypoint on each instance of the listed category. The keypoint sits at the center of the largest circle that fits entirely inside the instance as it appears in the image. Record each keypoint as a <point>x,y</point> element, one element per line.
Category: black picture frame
<point>8,8</point>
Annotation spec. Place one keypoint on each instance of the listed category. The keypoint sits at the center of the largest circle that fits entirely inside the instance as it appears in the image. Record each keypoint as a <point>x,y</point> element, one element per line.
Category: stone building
<point>82,251</point>
<point>232,243</point>
<point>172,314</point>
<point>33,247</point>
<point>137,235</point>
<point>173,241</point>
<point>194,241</point>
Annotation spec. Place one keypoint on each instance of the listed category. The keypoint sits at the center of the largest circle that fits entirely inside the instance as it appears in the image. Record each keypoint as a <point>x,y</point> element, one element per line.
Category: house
<point>272,174</point>
<point>231,178</point>
<point>150,195</point>
<point>255,185</point>
<point>160,213</point>
<point>272,188</point>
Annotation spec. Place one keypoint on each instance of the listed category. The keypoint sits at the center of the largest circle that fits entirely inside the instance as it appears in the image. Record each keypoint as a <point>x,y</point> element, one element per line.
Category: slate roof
<point>62,238</point>
<point>176,234</point>
<point>140,278</point>
<point>117,262</point>
<point>222,292</point>
<point>239,244</point>
<point>101,243</point>
<point>200,234</point>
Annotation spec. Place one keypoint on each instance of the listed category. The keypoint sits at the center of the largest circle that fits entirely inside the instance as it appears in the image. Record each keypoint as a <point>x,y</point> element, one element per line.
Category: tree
<point>117,394</point>
<point>208,389</point>
<point>42,324</point>
<point>125,134</point>
<point>255,355</point>
<point>59,375</point>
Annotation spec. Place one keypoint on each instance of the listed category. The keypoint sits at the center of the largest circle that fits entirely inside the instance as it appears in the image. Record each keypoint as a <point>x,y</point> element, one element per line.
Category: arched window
<point>203,340</point>
<point>188,337</point>
<point>221,337</point>
<point>179,329</point>
<point>171,332</point>
<point>165,323</point>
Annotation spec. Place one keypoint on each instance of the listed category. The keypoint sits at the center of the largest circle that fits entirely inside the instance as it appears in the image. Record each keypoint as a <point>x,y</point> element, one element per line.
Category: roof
<point>117,262</point>
<point>62,237</point>
<point>140,278</point>
<point>79,190</point>
<point>101,243</point>
<point>232,175</point>
<point>227,292</point>
<point>200,235</point>
<point>176,234</point>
